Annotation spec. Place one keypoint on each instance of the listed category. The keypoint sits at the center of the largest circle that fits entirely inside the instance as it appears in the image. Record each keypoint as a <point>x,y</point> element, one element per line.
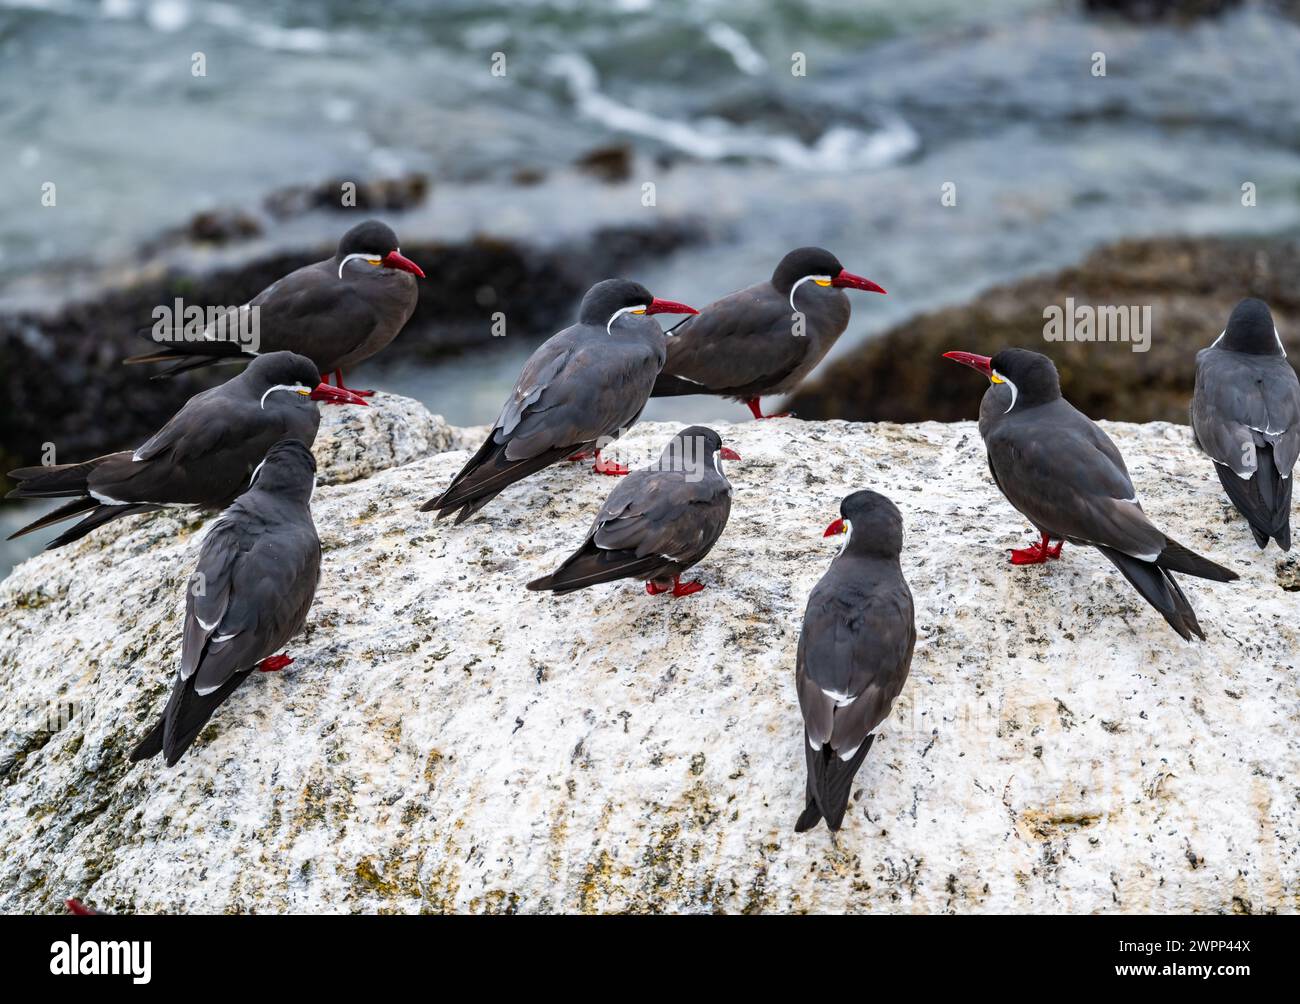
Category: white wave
<point>737,46</point>
<point>841,148</point>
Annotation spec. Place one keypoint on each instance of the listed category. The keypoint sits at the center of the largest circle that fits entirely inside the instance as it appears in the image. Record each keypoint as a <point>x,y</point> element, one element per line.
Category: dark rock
<point>608,163</point>
<point>1160,10</point>
<point>386,194</point>
<point>1191,285</point>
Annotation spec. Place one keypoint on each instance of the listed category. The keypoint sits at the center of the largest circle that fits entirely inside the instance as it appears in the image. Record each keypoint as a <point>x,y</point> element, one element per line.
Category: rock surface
<point>446,740</point>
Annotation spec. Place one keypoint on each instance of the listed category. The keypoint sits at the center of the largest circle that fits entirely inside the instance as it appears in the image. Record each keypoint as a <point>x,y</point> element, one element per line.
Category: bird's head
<point>694,448</point>
<point>373,245</point>
<point>288,380</point>
<point>870,524</point>
<point>610,300</point>
<point>1251,329</point>
<point>819,268</point>
<point>1027,378</point>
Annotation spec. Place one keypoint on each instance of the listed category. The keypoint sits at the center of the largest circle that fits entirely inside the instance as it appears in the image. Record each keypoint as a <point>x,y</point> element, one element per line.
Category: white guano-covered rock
<point>446,740</point>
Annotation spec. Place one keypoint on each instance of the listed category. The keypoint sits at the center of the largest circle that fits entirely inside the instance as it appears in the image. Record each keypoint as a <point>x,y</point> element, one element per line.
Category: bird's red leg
<point>78,908</point>
<point>273,663</point>
<point>678,588</point>
<point>338,380</point>
<point>581,455</point>
<point>603,466</point>
<point>1036,554</point>
<point>756,410</point>
<point>681,588</point>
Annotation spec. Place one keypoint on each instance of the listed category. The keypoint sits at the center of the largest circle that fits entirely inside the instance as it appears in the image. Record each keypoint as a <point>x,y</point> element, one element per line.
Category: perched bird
<point>1246,417</point>
<point>766,338</point>
<point>657,523</point>
<point>255,581</point>
<point>1058,468</point>
<point>855,651</point>
<point>337,312</point>
<point>579,391</point>
<point>204,456</point>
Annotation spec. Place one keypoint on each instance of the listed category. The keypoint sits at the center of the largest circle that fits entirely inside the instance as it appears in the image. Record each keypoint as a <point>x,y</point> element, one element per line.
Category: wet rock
<point>447,740</point>
<point>608,163</point>
<point>1189,284</point>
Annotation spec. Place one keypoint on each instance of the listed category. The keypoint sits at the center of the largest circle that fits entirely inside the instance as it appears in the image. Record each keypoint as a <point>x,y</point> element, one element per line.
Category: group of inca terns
<point>244,447</point>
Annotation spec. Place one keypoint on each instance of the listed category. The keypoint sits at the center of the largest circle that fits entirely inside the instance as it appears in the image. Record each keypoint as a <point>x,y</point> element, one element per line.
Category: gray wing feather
<point>661,512</point>
<point>1243,401</point>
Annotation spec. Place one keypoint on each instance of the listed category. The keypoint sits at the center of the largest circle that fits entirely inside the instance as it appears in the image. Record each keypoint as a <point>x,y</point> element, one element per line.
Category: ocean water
<point>899,101</point>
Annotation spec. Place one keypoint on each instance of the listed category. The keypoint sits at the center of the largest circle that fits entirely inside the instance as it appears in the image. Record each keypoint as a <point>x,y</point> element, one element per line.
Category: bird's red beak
<point>984,364</point>
<point>834,529</point>
<point>339,395</point>
<point>727,453</point>
<point>847,278</point>
<point>399,261</point>
<point>658,306</point>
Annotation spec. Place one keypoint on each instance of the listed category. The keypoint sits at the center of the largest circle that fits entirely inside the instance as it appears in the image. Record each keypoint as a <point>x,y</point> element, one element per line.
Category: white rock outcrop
<point>448,741</point>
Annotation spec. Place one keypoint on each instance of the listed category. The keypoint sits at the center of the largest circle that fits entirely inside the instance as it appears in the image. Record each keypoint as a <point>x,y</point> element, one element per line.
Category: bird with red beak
<point>766,338</point>
<point>338,312</point>
<point>657,523</point>
<point>205,456</point>
<point>1066,476</point>
<point>580,390</point>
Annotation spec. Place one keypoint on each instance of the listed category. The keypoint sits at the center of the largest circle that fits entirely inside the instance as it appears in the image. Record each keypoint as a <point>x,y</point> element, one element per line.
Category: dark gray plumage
<point>580,390</point>
<point>250,593</point>
<point>204,456</point>
<point>746,345</point>
<point>855,651</point>
<point>1057,467</point>
<point>657,523</point>
<point>337,312</point>
<point>1246,417</point>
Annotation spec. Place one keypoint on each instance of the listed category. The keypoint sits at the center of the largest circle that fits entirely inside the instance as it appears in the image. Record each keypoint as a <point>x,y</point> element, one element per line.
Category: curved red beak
<point>399,261</point>
<point>984,364</point>
<point>658,306</point>
<point>834,529</point>
<point>339,395</point>
<point>851,281</point>
<point>727,453</point>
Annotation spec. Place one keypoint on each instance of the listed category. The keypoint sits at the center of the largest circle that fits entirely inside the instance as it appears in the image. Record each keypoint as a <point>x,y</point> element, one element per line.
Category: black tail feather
<point>485,475</point>
<point>594,566</point>
<point>1157,587</point>
<point>189,355</point>
<point>57,481</point>
<point>58,515</point>
<point>830,783</point>
<point>97,518</point>
<point>1264,499</point>
<point>183,719</point>
<point>1176,558</point>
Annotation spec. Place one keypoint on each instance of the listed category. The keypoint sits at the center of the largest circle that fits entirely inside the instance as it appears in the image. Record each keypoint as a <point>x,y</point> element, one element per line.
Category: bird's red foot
<point>338,381</point>
<point>78,908</point>
<point>574,458</point>
<point>273,663</point>
<point>611,467</point>
<point>678,588</point>
<point>757,411</point>
<point>1036,554</point>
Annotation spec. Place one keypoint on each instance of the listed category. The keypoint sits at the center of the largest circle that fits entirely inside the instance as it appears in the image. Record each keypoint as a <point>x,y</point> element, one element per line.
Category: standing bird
<point>255,581</point>
<point>766,338</point>
<point>337,312</point>
<point>1246,417</point>
<point>580,390</point>
<point>204,456</point>
<point>656,524</point>
<point>855,651</point>
<point>1058,468</point>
